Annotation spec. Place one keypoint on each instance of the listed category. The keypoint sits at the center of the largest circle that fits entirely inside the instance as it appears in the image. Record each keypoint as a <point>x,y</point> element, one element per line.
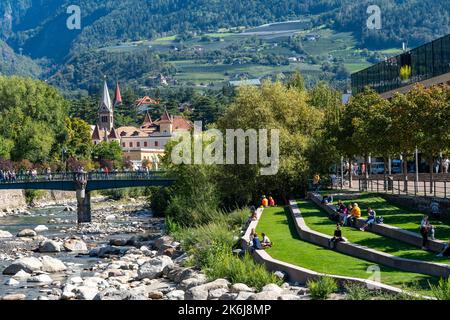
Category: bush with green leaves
<point>441,291</point>
<point>210,248</point>
<point>357,292</point>
<point>33,195</point>
<point>322,288</point>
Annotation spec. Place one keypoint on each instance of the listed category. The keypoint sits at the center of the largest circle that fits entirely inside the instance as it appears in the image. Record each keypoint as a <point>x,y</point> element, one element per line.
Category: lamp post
<point>416,155</point>
<point>63,159</point>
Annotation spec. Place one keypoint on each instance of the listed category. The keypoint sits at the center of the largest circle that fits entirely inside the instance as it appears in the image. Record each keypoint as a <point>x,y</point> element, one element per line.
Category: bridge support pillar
<point>84,206</point>
<point>83,199</point>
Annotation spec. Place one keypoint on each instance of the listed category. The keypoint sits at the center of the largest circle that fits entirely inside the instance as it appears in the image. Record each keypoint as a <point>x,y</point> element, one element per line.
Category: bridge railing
<point>89,176</point>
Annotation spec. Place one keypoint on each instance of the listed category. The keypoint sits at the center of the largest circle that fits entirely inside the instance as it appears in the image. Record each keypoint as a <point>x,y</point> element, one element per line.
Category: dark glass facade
<point>425,62</point>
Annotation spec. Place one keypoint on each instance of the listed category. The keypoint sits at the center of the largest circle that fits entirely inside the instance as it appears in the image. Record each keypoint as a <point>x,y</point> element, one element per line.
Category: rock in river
<point>42,278</point>
<point>28,264</point>
<point>27,233</point>
<point>154,267</point>
<point>41,228</point>
<point>50,264</point>
<point>49,246</point>
<point>75,245</point>
<point>18,296</point>
<point>11,282</point>
<point>5,234</point>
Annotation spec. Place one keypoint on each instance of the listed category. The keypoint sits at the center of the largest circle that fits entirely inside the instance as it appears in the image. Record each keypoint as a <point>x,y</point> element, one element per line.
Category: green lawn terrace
<point>396,216</point>
<point>317,219</point>
<point>289,247</point>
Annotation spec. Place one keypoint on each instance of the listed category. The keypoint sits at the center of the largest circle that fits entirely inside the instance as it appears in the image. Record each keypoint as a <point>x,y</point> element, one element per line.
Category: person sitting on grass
<point>372,215</point>
<point>445,252</point>
<point>266,243</point>
<point>342,212</point>
<point>256,242</point>
<point>271,202</point>
<point>348,214</point>
<point>337,237</point>
<point>251,237</point>
<point>355,214</point>
<point>327,199</point>
<point>264,202</point>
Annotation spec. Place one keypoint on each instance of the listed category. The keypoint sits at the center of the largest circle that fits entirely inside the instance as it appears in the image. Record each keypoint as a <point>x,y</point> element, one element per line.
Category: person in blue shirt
<point>256,242</point>
<point>372,215</point>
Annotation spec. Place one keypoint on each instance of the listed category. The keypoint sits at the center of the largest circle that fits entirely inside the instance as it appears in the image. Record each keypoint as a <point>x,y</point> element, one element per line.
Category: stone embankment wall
<point>12,199</point>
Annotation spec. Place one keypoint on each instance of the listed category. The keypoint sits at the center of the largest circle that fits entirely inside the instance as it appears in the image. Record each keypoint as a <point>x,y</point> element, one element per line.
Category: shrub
<point>171,226</point>
<point>442,290</point>
<point>322,288</point>
<point>357,292</point>
<point>159,200</point>
<point>226,265</point>
<point>32,195</point>
<point>210,248</point>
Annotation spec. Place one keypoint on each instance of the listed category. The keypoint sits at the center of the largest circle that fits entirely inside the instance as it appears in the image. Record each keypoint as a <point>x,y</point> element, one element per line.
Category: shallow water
<point>79,264</point>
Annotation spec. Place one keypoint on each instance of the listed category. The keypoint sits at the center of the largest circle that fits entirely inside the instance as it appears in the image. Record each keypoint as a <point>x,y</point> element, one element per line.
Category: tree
<point>432,120</point>
<point>324,145</point>
<point>79,142</point>
<point>5,148</point>
<point>32,118</point>
<point>273,106</point>
<point>359,128</point>
<point>108,152</point>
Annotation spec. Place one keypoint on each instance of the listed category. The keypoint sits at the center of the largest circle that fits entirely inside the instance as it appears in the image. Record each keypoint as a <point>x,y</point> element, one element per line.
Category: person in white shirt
<point>266,243</point>
<point>445,164</point>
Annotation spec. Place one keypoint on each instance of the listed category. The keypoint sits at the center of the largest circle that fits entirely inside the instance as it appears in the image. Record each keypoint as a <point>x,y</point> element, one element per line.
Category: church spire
<point>105,102</point>
<point>117,96</point>
<point>105,111</point>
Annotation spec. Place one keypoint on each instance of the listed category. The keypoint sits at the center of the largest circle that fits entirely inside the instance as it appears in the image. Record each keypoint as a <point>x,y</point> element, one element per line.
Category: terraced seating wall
<point>423,267</point>
<point>384,229</point>
<point>299,274</point>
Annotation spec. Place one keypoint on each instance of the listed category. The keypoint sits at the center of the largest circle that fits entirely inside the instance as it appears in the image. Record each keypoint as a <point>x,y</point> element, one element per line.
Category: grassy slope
<point>317,219</point>
<point>401,217</point>
<point>340,45</point>
<point>288,247</point>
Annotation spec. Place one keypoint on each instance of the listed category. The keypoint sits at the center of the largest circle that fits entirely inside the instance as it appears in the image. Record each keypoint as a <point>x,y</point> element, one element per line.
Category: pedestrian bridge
<point>83,183</point>
<point>93,181</point>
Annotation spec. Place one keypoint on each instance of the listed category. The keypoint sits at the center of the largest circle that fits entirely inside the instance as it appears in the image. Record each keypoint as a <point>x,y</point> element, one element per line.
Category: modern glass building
<point>428,64</point>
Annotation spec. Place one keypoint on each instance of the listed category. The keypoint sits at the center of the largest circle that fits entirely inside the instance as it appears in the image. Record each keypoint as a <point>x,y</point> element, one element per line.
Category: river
<point>129,219</point>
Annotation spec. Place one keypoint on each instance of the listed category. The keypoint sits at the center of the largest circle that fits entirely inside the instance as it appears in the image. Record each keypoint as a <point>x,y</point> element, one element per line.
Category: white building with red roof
<point>138,144</point>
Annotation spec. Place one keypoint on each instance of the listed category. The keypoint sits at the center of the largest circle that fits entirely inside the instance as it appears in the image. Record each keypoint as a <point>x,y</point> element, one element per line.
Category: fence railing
<point>93,176</point>
<point>422,188</point>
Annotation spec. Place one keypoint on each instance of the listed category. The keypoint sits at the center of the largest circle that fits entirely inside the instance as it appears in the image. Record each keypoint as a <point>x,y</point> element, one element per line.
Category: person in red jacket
<point>271,202</point>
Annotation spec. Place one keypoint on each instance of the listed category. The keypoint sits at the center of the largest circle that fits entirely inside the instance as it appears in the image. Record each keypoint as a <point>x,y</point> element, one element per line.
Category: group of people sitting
<point>259,244</point>
<point>267,202</point>
<point>255,243</point>
<point>348,215</point>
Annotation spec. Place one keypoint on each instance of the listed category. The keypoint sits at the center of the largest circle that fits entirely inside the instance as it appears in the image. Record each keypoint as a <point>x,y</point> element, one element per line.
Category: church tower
<point>105,111</point>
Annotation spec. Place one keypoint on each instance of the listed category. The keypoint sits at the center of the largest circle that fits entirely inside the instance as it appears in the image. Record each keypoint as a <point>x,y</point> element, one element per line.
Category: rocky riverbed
<point>123,254</point>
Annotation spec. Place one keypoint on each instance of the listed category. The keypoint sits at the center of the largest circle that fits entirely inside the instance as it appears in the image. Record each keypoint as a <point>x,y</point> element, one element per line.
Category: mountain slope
<point>38,26</point>
<point>13,64</point>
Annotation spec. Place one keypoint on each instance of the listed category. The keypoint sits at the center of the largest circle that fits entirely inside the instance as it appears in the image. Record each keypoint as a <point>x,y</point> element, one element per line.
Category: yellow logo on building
<point>405,72</point>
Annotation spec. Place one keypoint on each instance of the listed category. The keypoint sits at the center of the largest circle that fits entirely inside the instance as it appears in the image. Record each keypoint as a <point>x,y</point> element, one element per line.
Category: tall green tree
<point>32,118</point>
<point>79,141</point>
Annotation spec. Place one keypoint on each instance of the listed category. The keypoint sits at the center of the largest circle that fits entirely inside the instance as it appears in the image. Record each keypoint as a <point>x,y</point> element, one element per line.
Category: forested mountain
<point>38,27</point>
<point>16,64</point>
